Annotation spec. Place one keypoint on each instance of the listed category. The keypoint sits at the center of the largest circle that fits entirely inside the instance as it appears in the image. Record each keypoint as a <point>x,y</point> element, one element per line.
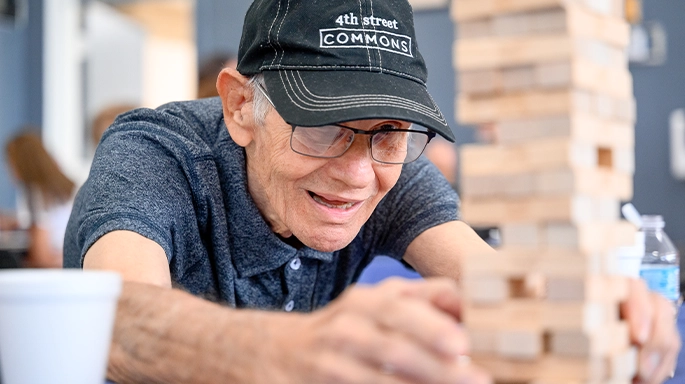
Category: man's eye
<point>390,126</point>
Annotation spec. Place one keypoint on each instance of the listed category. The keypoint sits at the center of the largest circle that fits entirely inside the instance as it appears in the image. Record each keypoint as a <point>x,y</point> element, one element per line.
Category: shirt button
<point>296,263</point>
<point>289,307</point>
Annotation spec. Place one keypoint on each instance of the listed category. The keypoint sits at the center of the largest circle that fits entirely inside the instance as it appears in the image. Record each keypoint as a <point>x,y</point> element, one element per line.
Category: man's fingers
<point>443,293</point>
<point>391,352</point>
<point>658,355</point>
<point>422,323</point>
<point>344,369</point>
<point>638,310</point>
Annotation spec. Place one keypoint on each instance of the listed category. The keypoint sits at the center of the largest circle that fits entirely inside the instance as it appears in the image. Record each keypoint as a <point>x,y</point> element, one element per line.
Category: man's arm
<point>438,251</point>
<point>135,257</point>
<point>398,332</point>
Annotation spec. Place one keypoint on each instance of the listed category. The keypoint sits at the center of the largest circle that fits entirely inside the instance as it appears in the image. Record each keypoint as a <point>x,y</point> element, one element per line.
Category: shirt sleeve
<point>421,199</point>
<point>139,181</point>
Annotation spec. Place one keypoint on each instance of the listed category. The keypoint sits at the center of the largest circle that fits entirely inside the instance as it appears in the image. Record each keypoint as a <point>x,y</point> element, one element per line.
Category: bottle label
<point>664,280</point>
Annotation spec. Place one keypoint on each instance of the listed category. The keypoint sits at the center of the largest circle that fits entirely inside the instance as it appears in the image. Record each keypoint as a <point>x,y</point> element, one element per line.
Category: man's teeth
<point>319,200</point>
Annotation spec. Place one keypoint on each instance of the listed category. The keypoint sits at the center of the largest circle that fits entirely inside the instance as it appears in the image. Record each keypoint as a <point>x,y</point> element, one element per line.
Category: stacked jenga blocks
<point>551,78</point>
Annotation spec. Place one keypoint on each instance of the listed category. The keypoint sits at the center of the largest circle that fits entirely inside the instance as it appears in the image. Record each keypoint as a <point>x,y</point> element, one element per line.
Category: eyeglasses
<point>389,145</point>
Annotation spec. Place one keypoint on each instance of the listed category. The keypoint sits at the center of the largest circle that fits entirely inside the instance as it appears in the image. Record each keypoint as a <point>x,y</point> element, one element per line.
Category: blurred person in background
<point>209,71</point>
<point>443,155</point>
<point>46,196</point>
<point>105,118</point>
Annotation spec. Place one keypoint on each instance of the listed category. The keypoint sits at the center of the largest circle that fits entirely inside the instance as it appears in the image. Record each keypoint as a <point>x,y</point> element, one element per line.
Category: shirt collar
<point>255,248</point>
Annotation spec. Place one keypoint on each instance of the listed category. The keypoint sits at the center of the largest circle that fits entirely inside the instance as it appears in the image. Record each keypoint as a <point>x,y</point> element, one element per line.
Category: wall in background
<point>658,91</point>
<point>20,83</point>
<point>219,25</point>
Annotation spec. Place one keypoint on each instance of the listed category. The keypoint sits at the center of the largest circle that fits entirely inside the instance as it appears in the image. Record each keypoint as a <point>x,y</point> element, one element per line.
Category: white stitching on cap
<point>268,36</point>
<point>337,67</point>
<point>365,100</point>
<point>353,99</point>
<point>361,16</point>
<point>287,8</point>
<point>380,55</point>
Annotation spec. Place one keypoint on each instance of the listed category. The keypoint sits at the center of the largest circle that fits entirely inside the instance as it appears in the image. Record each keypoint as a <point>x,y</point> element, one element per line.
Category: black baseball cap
<point>328,62</point>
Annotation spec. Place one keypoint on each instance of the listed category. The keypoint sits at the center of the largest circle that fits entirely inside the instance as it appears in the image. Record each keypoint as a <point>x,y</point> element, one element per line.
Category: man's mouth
<point>331,203</point>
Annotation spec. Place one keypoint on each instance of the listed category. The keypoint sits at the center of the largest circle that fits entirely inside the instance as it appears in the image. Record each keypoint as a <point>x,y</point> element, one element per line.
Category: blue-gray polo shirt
<point>174,175</point>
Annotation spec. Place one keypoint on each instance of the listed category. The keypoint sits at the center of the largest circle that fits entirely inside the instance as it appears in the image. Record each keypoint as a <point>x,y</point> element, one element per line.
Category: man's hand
<point>397,332</point>
<point>653,328</point>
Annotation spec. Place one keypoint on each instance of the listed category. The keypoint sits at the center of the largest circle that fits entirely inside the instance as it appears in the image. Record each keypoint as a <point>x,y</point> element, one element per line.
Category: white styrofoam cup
<point>56,325</point>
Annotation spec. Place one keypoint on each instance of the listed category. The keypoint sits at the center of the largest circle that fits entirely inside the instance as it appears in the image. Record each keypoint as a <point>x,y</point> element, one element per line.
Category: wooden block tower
<point>551,78</point>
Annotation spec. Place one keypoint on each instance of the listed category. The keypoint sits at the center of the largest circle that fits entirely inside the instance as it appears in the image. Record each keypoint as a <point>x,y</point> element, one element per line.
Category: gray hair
<point>260,105</point>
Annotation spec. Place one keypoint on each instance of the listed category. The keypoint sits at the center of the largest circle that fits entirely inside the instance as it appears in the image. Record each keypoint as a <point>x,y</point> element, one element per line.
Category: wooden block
<point>513,24</point>
<point>609,341</point>
<point>574,209</point>
<point>499,52</point>
<point>580,265</point>
<point>589,237</point>
<point>520,262</point>
<point>485,288</point>
<point>536,314</point>
<point>623,160</point>
<point>516,185</point>
<point>482,341</point>
<point>577,127</point>
<point>528,157</point>
<point>582,74</point>
<point>582,22</point>
<point>586,181</point>
<point>615,8</point>
<point>474,29</point>
<point>572,20</point>
<point>502,52</point>
<point>603,289</point>
<point>511,314</point>
<point>513,263</point>
<point>520,344</point>
<point>518,78</point>
<point>554,75</point>
<point>624,365</point>
<point>583,316</point>
<point>522,235</point>
<point>480,82</point>
<point>566,381</point>
<point>476,9</point>
<point>542,103</point>
<point>570,370</point>
<point>537,103</point>
<point>548,21</point>
<point>615,82</point>
<point>565,181</point>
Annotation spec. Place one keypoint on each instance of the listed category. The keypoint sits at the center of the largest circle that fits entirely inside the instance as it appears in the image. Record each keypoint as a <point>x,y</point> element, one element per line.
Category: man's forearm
<point>168,336</point>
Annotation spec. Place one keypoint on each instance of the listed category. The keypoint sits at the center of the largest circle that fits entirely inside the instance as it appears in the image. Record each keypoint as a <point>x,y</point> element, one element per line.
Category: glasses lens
<point>325,141</point>
<point>398,147</point>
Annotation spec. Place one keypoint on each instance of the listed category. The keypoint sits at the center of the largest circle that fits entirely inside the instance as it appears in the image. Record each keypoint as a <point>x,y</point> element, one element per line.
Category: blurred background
<point>68,67</point>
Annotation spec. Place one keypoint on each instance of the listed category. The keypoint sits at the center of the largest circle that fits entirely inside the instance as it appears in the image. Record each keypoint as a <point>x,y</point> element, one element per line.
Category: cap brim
<point>311,98</point>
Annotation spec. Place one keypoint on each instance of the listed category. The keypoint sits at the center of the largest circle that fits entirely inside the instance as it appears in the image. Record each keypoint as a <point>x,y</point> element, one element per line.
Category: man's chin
<point>327,243</point>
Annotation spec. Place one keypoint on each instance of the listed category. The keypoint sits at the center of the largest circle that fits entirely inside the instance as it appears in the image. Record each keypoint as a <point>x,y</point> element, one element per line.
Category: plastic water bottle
<point>661,263</point>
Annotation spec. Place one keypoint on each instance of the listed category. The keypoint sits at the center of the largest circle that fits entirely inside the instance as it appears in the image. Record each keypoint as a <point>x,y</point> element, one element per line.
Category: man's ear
<point>236,97</point>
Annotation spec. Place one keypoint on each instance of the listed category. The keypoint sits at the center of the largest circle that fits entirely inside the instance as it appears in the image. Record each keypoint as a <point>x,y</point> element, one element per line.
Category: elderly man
<point>231,219</point>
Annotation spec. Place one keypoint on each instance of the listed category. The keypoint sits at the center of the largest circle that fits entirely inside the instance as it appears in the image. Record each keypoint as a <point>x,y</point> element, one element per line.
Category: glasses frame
<point>355,132</point>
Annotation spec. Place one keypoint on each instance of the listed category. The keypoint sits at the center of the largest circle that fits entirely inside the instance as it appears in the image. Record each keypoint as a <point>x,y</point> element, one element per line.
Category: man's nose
<point>355,166</point>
